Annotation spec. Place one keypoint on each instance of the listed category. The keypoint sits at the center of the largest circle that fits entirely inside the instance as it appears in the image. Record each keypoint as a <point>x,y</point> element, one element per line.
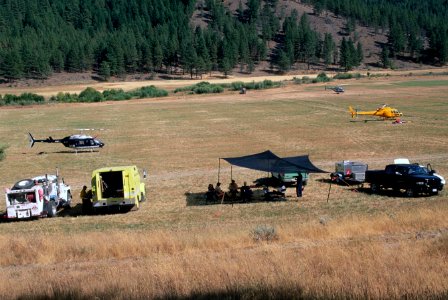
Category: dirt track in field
<point>48,91</point>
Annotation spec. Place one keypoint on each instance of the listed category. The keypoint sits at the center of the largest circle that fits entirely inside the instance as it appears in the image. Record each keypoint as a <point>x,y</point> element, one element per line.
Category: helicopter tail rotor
<point>31,139</point>
<point>353,112</point>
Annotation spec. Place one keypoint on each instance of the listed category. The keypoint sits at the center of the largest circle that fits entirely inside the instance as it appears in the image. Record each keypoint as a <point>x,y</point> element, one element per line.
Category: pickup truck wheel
<point>69,199</point>
<point>410,192</point>
<point>375,188</point>
<point>52,209</point>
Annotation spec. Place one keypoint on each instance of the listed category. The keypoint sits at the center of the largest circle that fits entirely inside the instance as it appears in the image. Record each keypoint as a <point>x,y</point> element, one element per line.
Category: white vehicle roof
<point>402,161</point>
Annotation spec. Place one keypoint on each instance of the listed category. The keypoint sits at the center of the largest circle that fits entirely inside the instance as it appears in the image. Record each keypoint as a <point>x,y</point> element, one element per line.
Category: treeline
<point>416,29</point>
<point>118,37</point>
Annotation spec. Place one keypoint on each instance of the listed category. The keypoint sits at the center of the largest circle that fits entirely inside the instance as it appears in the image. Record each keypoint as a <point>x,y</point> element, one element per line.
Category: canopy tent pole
<point>329,189</point>
<point>219,168</point>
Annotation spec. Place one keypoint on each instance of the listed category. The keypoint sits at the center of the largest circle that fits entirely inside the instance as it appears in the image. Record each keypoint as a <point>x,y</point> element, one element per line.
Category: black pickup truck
<point>412,179</point>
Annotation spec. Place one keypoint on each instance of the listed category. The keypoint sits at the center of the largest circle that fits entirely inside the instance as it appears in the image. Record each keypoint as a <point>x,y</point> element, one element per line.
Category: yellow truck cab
<point>117,186</point>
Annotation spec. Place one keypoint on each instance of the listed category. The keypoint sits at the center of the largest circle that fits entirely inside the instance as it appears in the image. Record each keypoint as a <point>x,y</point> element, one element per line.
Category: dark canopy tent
<point>304,163</point>
<point>269,162</point>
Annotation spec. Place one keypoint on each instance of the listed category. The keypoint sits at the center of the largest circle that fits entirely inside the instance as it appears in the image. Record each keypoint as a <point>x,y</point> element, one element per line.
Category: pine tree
<point>359,54</point>
<point>384,57</point>
<point>328,49</point>
<point>396,38</point>
<point>11,67</point>
<point>104,70</point>
<point>346,51</point>
<point>157,56</point>
<point>253,6</point>
<point>283,62</point>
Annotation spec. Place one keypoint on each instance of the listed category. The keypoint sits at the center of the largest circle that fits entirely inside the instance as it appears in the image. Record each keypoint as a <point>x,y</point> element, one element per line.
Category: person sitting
<point>233,189</point>
<point>30,197</point>
<point>275,194</point>
<point>246,192</point>
<point>280,191</point>
<point>218,191</point>
<point>210,195</point>
<point>266,193</point>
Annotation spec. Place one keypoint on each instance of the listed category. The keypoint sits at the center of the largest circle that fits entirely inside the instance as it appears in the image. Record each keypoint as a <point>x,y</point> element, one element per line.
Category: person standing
<point>299,185</point>
<point>86,198</point>
<point>83,193</point>
<point>39,189</point>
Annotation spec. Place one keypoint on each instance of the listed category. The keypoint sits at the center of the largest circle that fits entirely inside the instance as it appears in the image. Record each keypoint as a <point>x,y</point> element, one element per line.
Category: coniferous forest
<point>119,37</point>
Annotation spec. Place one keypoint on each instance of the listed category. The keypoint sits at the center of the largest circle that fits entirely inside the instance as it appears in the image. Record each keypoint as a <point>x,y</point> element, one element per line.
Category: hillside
<point>328,22</point>
<point>121,40</point>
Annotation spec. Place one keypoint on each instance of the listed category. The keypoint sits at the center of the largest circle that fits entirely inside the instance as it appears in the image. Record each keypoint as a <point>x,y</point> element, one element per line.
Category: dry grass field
<point>355,245</point>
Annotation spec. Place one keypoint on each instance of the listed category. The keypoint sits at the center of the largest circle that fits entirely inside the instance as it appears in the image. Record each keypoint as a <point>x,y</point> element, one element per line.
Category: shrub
<point>90,95</point>
<point>322,77</point>
<point>116,95</point>
<point>265,84</point>
<point>347,76</point>
<point>148,92</point>
<point>306,79</point>
<point>296,80</point>
<point>207,88</point>
<point>237,85</point>
<point>23,99</point>
<point>264,233</point>
<point>32,98</point>
<point>64,97</point>
<point>202,87</point>
<point>2,151</point>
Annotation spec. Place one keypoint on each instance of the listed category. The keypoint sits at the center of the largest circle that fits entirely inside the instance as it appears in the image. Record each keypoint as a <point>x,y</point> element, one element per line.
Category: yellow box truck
<point>119,187</point>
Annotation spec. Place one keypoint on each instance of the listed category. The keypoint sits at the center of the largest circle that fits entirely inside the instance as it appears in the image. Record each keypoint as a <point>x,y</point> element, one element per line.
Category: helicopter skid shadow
<point>365,121</point>
<point>77,151</point>
<point>66,151</point>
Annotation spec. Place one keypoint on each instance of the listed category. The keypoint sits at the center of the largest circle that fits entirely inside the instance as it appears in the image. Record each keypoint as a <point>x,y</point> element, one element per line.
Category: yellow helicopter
<point>384,111</point>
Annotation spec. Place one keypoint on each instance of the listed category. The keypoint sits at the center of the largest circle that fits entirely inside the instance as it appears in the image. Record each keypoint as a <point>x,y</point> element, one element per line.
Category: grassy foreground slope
<point>353,245</point>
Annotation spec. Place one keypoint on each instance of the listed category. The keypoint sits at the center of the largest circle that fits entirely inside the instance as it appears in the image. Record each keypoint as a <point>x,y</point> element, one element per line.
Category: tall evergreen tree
<point>11,66</point>
<point>384,57</point>
<point>328,49</point>
<point>359,54</point>
<point>104,70</point>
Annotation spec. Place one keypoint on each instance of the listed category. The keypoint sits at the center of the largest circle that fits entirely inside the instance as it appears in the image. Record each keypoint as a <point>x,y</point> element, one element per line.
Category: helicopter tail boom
<point>47,140</point>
